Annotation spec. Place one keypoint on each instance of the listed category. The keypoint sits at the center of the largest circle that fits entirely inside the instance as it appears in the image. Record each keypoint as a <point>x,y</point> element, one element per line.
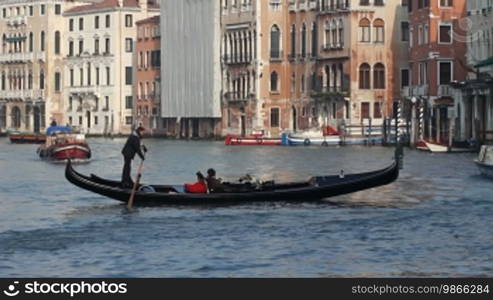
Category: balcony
<point>420,90</point>
<point>23,94</point>
<point>41,56</point>
<point>88,90</point>
<point>232,59</point>
<point>334,8</point>
<point>16,57</point>
<point>406,92</point>
<point>276,56</point>
<point>16,21</point>
<point>238,97</point>
<point>445,91</point>
<point>292,5</point>
<point>312,5</point>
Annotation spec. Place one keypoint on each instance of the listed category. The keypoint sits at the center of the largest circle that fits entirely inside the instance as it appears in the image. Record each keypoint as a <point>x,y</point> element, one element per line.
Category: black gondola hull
<point>316,189</point>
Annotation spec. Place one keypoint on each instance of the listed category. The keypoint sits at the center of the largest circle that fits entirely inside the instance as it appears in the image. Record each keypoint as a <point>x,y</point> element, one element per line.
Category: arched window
<point>335,40</point>
<point>16,117</point>
<point>303,41</point>
<point>379,26</point>
<point>379,76</point>
<point>3,83</point>
<point>57,42</point>
<point>42,41</point>
<point>3,116</point>
<point>314,39</point>
<point>365,30</point>
<point>293,40</point>
<point>274,82</point>
<point>31,42</point>
<point>327,35</point>
<point>327,77</point>
<point>275,42</point>
<point>41,80</point>
<point>364,76</point>
<point>341,33</point>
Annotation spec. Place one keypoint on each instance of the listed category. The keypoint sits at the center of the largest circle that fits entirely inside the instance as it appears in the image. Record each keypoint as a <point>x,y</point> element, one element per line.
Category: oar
<point>136,183</point>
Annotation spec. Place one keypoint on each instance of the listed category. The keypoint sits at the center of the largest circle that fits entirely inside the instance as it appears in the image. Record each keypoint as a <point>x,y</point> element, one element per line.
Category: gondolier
<point>132,146</point>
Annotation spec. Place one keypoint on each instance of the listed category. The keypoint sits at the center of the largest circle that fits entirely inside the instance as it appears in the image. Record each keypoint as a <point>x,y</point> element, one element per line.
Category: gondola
<point>315,189</point>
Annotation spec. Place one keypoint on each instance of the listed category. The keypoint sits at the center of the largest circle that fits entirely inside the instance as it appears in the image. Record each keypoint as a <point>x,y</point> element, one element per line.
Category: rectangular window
<point>365,110</point>
<point>128,45</point>
<point>274,117</point>
<point>96,46</point>
<point>71,48</point>
<point>43,9</point>
<point>81,72</point>
<point>128,75</point>
<point>446,71</point>
<point>377,110</point>
<point>445,34</point>
<point>71,77</point>
<point>57,82</point>
<point>106,103</point>
<point>107,46</point>
<point>128,21</point>
<point>71,25</point>
<point>97,76</point>
<point>95,120</point>
<point>81,46</point>
<point>58,9</point>
<point>88,74</point>
<point>107,21</point>
<point>31,11</point>
<point>108,74</point>
<point>404,78</point>
<point>96,22</point>
<point>128,120</point>
<point>405,31</point>
<point>81,24</point>
<point>128,102</point>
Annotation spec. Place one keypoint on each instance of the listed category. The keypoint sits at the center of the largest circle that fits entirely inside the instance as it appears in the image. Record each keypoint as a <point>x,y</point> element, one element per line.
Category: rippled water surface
<point>436,220</point>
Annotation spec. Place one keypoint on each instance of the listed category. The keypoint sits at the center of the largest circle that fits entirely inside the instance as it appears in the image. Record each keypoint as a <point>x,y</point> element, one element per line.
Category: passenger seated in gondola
<point>214,184</point>
<point>200,187</point>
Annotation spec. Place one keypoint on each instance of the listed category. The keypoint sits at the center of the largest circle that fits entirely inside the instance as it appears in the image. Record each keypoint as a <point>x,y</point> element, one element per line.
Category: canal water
<point>436,220</point>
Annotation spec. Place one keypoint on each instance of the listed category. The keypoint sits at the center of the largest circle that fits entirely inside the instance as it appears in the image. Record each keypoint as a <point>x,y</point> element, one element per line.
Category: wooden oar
<point>136,184</point>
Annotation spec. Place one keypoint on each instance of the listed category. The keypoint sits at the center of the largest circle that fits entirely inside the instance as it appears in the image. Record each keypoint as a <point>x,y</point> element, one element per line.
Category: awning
<point>484,63</point>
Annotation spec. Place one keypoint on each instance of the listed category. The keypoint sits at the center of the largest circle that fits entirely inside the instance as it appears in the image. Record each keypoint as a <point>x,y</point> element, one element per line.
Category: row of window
<point>89,76</point>
<point>8,12</point>
<point>149,59</point>
<point>425,4</point>
<point>15,82</point>
<point>146,90</point>
<point>107,46</point>
<point>107,22</point>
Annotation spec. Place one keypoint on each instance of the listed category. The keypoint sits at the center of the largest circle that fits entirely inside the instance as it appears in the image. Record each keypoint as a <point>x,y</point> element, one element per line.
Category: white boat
<point>485,161</point>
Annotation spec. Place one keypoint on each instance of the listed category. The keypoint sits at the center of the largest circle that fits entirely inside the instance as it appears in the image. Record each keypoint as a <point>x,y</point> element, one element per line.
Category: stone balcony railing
<point>445,91</point>
<point>16,57</point>
<point>16,20</point>
<point>23,94</point>
<point>88,90</point>
<point>420,90</point>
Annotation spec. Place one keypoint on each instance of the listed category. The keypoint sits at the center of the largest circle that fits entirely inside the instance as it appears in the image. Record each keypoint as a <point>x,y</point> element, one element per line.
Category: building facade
<point>100,76</point>
<point>31,63</point>
<point>474,97</point>
<point>147,95</point>
<point>311,63</point>
<point>437,58</point>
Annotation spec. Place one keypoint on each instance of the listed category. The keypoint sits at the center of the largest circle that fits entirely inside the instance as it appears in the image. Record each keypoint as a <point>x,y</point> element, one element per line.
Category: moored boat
<point>61,145</point>
<point>433,147</point>
<point>314,189</point>
<point>17,137</point>
<point>253,140</point>
<point>485,161</point>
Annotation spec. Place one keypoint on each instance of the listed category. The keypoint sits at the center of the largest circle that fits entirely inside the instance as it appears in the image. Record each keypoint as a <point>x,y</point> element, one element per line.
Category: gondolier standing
<point>132,146</point>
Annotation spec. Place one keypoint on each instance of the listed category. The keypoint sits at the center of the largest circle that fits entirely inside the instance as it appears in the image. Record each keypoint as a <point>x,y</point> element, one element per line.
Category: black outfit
<point>132,147</point>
